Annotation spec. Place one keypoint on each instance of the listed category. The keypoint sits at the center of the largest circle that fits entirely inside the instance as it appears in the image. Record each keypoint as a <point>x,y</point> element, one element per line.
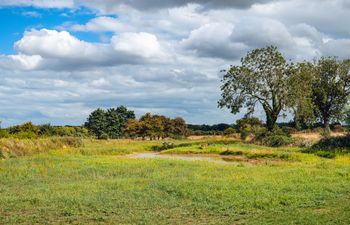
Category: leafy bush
<point>277,140</point>
<point>25,135</point>
<point>341,143</point>
<point>250,126</point>
<point>103,136</point>
<point>4,133</point>
<point>229,131</point>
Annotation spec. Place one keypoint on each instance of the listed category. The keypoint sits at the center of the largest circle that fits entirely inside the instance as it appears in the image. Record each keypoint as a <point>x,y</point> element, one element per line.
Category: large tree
<point>331,89</point>
<point>262,78</point>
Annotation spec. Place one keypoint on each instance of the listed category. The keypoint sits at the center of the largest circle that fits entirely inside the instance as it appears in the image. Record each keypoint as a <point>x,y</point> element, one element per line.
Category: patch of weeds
<point>228,152</point>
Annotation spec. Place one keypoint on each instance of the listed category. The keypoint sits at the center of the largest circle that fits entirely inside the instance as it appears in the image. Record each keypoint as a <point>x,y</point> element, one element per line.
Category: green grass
<point>89,185</point>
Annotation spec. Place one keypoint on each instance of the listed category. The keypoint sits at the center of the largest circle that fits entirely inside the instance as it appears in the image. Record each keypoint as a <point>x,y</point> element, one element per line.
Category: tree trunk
<point>326,126</point>
<point>270,121</point>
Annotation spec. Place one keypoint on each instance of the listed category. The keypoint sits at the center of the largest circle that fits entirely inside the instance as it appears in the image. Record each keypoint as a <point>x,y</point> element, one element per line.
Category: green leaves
<point>261,78</point>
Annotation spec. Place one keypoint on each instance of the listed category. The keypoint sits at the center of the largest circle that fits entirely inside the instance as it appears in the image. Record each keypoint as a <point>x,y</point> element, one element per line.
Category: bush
<point>250,126</point>
<point>229,131</point>
<point>277,140</point>
<point>25,135</point>
<point>164,146</point>
<point>4,133</point>
<point>103,136</point>
<point>341,143</point>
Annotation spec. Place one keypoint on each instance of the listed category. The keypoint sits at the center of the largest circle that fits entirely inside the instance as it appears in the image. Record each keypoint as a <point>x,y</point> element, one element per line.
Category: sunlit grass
<point>89,185</point>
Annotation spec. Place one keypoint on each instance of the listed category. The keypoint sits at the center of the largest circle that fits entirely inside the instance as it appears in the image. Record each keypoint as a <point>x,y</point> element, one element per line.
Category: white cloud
<point>39,3</point>
<point>54,44</point>
<point>138,44</point>
<point>101,24</point>
<point>59,50</point>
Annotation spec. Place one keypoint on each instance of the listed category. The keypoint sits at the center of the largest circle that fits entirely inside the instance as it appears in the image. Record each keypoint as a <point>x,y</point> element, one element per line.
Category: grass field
<point>98,183</point>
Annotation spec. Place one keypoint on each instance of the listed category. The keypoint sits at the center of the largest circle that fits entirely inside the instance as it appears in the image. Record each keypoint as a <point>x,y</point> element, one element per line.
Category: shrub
<point>229,131</point>
<point>4,133</point>
<point>25,135</point>
<point>103,136</point>
<point>277,140</point>
<point>340,143</point>
<point>249,126</point>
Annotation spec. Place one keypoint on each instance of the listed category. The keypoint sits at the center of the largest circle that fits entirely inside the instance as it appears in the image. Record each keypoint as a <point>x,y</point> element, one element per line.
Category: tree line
<point>120,123</point>
<point>313,92</point>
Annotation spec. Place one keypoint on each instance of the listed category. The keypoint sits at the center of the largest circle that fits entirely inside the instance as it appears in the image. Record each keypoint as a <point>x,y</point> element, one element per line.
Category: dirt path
<point>154,155</point>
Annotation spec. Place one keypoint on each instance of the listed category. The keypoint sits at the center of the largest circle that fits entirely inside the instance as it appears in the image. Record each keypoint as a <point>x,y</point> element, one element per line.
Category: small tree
<point>261,78</point>
<point>331,88</point>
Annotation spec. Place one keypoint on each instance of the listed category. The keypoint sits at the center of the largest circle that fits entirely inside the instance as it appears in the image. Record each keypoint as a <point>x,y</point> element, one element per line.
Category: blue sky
<point>61,59</point>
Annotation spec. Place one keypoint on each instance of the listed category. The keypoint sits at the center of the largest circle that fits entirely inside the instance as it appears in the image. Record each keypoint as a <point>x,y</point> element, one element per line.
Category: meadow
<point>99,182</point>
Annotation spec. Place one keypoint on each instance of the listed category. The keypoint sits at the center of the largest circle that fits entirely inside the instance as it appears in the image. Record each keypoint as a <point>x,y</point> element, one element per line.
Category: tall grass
<point>10,147</point>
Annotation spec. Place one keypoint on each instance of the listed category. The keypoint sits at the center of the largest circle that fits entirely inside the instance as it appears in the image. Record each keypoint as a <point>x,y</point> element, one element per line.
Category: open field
<point>100,183</point>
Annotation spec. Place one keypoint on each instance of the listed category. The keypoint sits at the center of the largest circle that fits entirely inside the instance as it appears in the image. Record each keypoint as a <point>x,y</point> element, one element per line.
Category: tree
<point>331,88</point>
<point>110,122</point>
<point>261,78</point>
<point>97,122</point>
<point>300,90</point>
<point>178,127</point>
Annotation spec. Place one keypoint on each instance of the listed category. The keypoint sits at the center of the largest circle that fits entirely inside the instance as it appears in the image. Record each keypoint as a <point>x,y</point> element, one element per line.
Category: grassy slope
<point>90,188</point>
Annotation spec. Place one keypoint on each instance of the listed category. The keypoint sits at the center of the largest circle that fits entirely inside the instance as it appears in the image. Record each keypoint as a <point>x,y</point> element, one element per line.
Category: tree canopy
<point>262,78</point>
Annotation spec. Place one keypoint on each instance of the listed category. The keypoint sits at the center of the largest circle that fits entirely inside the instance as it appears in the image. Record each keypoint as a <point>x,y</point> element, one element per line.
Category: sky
<point>61,59</point>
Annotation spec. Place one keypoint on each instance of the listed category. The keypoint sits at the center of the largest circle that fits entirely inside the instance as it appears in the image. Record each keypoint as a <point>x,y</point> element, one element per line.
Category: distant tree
<point>46,130</point>
<point>261,78</point>
<point>133,128</point>
<point>156,127</point>
<point>178,127</point>
<point>110,122</point>
<point>97,122</point>
<point>25,127</point>
<point>229,131</point>
<point>331,89</point>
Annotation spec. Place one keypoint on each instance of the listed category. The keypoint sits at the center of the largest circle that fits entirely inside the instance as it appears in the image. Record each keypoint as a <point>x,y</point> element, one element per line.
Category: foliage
<point>26,127</point>
<point>331,88</point>
<point>333,144</point>
<point>229,131</point>
<point>249,126</point>
<point>261,78</point>
<point>300,95</point>
<point>275,138</point>
<point>156,127</point>
<point>110,122</point>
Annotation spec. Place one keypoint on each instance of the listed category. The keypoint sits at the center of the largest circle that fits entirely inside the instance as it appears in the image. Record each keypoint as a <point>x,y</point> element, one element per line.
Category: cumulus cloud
<point>101,24</point>
<point>213,40</point>
<point>138,44</point>
<point>59,50</point>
